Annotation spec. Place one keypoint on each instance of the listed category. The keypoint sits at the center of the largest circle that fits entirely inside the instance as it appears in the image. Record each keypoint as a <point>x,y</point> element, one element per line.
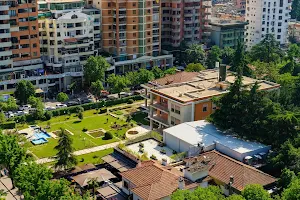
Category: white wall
<point>195,176</point>
<point>175,143</point>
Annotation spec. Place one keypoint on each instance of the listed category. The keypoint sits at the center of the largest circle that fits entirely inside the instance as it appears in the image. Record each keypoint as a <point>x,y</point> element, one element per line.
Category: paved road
<point>81,152</point>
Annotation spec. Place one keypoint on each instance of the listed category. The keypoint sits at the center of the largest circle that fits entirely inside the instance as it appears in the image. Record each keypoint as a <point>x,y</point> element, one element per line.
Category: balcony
<point>159,120</point>
<point>161,106</point>
<point>206,33</point>
<point>4,17</point>
<point>58,64</point>
<point>5,53</point>
<point>4,26</point>
<point>4,8</point>
<point>5,44</point>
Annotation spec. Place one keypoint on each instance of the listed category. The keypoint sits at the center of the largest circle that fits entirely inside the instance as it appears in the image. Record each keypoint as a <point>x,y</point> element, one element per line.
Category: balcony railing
<point>159,119</point>
<point>161,106</point>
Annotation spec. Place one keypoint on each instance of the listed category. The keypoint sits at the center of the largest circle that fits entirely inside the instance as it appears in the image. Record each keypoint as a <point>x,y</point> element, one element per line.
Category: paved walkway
<point>82,152</point>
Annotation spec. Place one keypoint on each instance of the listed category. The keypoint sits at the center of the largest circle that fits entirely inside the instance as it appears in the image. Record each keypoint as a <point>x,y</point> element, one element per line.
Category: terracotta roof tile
<point>221,167</point>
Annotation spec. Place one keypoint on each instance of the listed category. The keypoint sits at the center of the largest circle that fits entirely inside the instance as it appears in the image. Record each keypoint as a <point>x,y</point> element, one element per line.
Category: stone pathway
<point>81,152</point>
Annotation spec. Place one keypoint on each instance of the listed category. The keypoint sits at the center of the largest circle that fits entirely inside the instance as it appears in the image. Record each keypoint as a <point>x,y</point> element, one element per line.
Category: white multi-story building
<point>267,17</point>
<point>69,35</point>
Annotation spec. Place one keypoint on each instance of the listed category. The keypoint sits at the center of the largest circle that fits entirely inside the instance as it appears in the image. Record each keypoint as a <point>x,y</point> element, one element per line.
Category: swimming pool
<point>39,141</point>
<point>40,134</point>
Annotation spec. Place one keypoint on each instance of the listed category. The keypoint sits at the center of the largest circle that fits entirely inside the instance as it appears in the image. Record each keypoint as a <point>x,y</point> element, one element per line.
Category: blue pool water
<point>40,134</point>
<point>39,141</point>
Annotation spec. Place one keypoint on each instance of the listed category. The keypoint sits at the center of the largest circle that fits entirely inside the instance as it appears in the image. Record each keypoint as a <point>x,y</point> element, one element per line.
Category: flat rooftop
<point>207,133</point>
<point>206,85</point>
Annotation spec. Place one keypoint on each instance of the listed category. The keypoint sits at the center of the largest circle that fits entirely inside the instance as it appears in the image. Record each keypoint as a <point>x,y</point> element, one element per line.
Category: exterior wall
<point>267,17</point>
<point>175,143</point>
<point>199,113</point>
<point>195,176</point>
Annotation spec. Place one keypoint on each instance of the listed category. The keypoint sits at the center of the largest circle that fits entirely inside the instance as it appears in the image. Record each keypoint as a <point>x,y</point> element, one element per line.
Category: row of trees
<point>34,180</point>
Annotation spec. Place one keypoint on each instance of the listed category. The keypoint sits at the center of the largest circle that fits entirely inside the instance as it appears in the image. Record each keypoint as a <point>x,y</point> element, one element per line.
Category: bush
<point>108,136</point>
<point>163,151</point>
<point>141,145</point>
<point>153,157</point>
<point>80,115</point>
<point>8,125</point>
<point>130,101</point>
<point>103,110</point>
<point>79,109</point>
<point>84,129</point>
<point>48,115</point>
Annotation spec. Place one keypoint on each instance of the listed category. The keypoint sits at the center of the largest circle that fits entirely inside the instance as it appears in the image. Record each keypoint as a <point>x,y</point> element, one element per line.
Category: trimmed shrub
<point>8,125</point>
<point>79,109</point>
<point>48,115</point>
<point>103,110</point>
<point>108,135</point>
<point>130,101</point>
<point>84,129</point>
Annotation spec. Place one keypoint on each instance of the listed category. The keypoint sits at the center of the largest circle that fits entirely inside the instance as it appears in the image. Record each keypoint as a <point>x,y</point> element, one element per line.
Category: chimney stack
<point>222,73</point>
<point>181,184</point>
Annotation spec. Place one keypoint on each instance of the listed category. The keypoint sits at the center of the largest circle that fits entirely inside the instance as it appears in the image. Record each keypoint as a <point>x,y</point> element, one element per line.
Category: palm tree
<point>65,158</point>
<point>93,183</point>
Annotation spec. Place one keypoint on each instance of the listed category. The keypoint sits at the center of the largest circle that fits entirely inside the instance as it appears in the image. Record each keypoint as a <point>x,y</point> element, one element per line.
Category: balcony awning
<point>70,40</point>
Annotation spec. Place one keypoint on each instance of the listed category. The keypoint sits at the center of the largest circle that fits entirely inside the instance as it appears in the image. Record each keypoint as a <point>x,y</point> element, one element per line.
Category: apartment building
<point>19,43</point>
<point>131,29</point>
<point>181,101</point>
<point>69,35</point>
<point>241,6</point>
<point>267,17</point>
<point>227,33</point>
<point>185,20</point>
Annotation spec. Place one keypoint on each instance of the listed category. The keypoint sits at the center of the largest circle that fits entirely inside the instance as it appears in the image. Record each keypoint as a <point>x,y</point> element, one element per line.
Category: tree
<point>133,78</point>
<point>194,67</point>
<point>157,72</point>
<point>286,178</point>
<point>62,97</point>
<point>145,75</point>
<point>108,135</point>
<point>65,158</point>
<point>37,103</point>
<point>30,176</point>
<point>2,117</point>
<point>214,55</point>
<point>255,192</point>
<point>24,89</point>
<point>292,192</point>
<point>117,83</point>
<point>295,13</point>
<point>268,50</point>
<point>93,183</point>
<point>80,116</point>
<point>11,104</point>
<point>227,55</point>
<point>11,154</point>
<point>239,61</point>
<point>94,69</point>
<point>195,54</point>
<point>235,197</point>
<point>211,193</point>
<point>96,88</point>
<point>2,194</point>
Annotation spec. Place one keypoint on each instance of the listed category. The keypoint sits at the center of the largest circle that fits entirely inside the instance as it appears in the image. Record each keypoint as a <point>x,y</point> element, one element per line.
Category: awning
<point>39,90</point>
<point>70,40</point>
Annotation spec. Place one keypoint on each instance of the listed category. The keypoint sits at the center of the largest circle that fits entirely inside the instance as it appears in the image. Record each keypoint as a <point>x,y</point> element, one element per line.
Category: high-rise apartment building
<point>19,43</point>
<point>131,29</point>
<point>241,5</point>
<point>267,17</point>
<point>186,20</point>
<point>69,35</point>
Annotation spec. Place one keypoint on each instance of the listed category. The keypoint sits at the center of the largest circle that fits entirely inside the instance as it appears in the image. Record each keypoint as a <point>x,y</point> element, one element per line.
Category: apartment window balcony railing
<point>159,119</point>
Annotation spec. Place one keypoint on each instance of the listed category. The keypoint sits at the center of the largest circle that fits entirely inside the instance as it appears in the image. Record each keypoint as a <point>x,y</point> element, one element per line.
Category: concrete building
<point>201,136</point>
<point>241,6</point>
<point>69,35</point>
<point>131,29</point>
<point>267,17</point>
<point>227,33</point>
<point>185,20</point>
<point>176,101</point>
<point>19,43</point>
<point>294,31</point>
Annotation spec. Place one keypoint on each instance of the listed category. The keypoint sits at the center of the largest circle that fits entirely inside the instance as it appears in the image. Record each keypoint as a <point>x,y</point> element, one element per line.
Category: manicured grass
<point>97,134</point>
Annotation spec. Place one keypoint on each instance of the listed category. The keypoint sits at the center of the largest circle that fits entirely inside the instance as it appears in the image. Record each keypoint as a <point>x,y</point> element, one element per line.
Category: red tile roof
<point>152,181</point>
<point>221,167</point>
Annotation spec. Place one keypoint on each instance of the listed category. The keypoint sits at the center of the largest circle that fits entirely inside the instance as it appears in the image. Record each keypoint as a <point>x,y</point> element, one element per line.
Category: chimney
<point>139,164</point>
<point>181,184</point>
<point>222,73</point>
<point>164,162</point>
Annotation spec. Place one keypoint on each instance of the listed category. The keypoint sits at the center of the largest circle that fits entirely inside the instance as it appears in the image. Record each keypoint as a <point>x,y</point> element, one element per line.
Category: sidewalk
<point>81,152</point>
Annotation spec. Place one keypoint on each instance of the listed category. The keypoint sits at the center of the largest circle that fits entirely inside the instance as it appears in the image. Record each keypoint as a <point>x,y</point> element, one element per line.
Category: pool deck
<point>142,130</point>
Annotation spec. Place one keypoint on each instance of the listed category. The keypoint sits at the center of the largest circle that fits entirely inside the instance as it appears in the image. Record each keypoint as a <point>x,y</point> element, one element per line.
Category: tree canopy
<point>214,55</point>
<point>24,89</point>
<point>194,67</point>
<point>96,88</point>
<point>62,97</point>
<point>117,83</point>
<point>94,69</point>
<point>195,54</point>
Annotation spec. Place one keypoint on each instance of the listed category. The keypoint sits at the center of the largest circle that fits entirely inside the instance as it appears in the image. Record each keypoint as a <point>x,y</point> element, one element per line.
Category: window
<point>34,53</point>
<point>134,34</point>
<point>109,27</point>
<point>175,109</point>
<point>134,27</point>
<point>109,12</point>
<point>133,4</point>
<point>33,27</point>
<point>134,12</point>
<point>34,45</point>
<point>134,42</point>
<point>204,108</point>
<point>126,185</point>
<point>278,37</point>
<point>108,4</point>
<point>174,121</point>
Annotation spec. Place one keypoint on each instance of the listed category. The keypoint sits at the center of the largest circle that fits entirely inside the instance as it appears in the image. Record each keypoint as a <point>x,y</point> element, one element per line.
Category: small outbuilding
<point>201,136</point>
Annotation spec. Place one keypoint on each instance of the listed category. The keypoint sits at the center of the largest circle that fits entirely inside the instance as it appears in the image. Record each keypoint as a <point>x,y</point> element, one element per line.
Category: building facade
<point>227,33</point>
<point>19,43</point>
<point>294,32</point>
<point>241,6</point>
<point>267,17</point>
<point>69,35</point>
<point>131,29</point>
<point>185,20</point>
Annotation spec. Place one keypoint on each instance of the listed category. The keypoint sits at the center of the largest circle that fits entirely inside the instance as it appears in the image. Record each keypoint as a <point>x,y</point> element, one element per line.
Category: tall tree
<point>194,67</point>
<point>96,88</point>
<point>93,183</point>
<point>255,192</point>
<point>286,178</point>
<point>11,104</point>
<point>145,75</point>
<point>65,157</point>
<point>24,89</point>
<point>292,192</point>
<point>37,103</point>
<point>118,84</point>
<point>94,69</point>
<point>157,72</point>
<point>195,54</point>
<point>214,55</point>
<point>30,176</point>
<point>227,55</point>
<point>62,97</point>
<point>268,50</point>
<point>239,60</point>
<point>11,154</point>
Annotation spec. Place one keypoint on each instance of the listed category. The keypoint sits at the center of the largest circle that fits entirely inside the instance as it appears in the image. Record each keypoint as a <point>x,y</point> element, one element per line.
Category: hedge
<point>8,125</point>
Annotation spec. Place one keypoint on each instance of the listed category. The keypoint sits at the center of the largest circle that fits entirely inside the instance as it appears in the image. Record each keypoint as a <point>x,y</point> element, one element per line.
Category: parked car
<point>50,108</point>
<point>60,105</point>
<point>124,94</point>
<point>25,107</point>
<point>87,100</point>
<point>73,103</point>
<point>19,113</point>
